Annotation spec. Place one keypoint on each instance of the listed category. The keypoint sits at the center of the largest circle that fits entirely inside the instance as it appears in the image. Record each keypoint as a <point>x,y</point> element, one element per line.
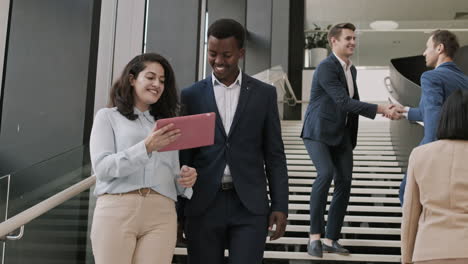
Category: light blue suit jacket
<point>436,86</point>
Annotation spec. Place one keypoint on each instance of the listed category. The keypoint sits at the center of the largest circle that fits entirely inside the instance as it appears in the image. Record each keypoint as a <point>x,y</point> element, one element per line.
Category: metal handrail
<point>289,95</point>
<point>21,219</point>
<point>291,92</point>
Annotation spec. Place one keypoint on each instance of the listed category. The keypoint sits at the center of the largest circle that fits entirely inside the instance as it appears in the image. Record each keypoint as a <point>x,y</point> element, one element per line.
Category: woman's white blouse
<point>120,160</point>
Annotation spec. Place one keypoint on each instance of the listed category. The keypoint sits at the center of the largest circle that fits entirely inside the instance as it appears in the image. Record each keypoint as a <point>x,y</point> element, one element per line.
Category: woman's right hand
<point>162,137</point>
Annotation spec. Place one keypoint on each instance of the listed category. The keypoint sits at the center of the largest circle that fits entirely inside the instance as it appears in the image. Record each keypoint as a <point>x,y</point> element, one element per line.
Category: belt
<point>142,192</point>
<point>226,186</point>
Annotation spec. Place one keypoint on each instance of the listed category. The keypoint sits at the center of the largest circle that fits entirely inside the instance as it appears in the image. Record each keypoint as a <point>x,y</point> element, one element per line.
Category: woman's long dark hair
<point>122,93</point>
<point>453,122</point>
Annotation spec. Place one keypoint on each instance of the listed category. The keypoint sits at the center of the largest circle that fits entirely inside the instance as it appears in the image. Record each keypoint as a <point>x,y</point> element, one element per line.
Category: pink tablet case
<point>197,131</point>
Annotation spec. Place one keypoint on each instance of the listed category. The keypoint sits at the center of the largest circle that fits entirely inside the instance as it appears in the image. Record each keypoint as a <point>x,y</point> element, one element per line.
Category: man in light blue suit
<point>436,85</point>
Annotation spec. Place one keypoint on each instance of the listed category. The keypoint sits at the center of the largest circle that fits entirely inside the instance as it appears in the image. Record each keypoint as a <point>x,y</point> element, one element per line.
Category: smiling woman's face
<point>148,86</point>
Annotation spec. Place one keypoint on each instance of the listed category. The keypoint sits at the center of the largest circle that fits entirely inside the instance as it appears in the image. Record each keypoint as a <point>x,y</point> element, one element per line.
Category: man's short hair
<point>335,31</point>
<point>448,39</point>
<point>225,28</point>
<point>453,122</point>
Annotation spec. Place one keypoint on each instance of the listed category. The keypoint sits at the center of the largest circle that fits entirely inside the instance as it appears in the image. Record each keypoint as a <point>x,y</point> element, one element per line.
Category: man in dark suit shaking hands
<point>229,207</point>
<point>330,134</point>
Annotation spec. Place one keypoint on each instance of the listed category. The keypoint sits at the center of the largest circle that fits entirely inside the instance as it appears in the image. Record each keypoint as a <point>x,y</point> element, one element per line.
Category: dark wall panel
<point>45,81</point>
<point>280,34</point>
<point>296,55</point>
<point>226,9</point>
<point>49,78</point>
<point>172,31</point>
<point>461,59</point>
<point>258,24</point>
<point>218,9</point>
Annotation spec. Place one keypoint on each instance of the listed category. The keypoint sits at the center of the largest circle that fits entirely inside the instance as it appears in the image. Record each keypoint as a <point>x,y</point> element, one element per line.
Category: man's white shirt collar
<point>343,64</point>
<point>238,80</point>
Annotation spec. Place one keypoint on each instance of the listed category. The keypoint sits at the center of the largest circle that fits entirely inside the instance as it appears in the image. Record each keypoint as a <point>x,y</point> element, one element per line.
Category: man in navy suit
<point>330,134</point>
<point>229,207</point>
<point>436,85</point>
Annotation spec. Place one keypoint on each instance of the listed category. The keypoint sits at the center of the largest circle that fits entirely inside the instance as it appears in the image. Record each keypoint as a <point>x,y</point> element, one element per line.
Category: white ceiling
<point>361,12</point>
<point>376,48</point>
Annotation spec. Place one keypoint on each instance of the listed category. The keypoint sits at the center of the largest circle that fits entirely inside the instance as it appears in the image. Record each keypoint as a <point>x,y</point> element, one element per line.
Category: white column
<point>121,36</point>
<point>129,33</point>
<point>202,51</point>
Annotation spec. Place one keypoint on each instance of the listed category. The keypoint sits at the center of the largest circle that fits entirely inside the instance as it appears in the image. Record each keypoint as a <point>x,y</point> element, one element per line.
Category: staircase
<point>372,225</point>
<point>371,229</point>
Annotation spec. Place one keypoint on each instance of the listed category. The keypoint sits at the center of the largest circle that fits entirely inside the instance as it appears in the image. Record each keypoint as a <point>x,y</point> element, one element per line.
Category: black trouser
<point>401,192</point>
<point>331,162</point>
<point>226,224</point>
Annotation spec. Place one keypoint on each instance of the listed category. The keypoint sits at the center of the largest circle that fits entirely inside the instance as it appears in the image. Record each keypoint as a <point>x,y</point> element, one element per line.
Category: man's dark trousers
<point>332,163</point>
<point>226,224</point>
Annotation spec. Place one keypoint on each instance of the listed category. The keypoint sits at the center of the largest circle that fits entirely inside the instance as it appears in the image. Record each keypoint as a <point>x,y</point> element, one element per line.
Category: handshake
<point>391,111</point>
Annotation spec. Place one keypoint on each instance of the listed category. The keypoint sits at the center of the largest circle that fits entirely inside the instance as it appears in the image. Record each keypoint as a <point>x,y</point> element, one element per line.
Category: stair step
<point>359,143</point>
<point>355,169</point>
<point>352,208</point>
<point>355,157</point>
<point>356,163</point>
<point>295,137</point>
<point>349,230</point>
<point>353,190</point>
<point>293,182</point>
<point>352,199</point>
<point>358,147</point>
<point>352,218</point>
<point>355,152</point>
<point>326,256</point>
<point>313,174</point>
<point>344,242</point>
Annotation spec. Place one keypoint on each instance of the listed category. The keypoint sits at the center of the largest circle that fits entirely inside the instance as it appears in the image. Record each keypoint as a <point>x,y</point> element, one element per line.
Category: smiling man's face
<point>223,56</point>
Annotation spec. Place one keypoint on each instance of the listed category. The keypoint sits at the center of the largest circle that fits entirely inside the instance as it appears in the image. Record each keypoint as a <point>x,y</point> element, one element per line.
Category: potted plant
<point>316,46</point>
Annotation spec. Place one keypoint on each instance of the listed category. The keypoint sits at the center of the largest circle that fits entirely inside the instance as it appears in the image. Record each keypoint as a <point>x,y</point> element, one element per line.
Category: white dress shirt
<point>405,114</point>
<point>348,75</point>
<point>227,98</point>
<point>121,162</point>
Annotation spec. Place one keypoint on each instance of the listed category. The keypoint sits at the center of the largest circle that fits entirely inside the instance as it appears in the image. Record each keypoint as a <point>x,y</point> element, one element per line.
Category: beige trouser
<point>134,229</point>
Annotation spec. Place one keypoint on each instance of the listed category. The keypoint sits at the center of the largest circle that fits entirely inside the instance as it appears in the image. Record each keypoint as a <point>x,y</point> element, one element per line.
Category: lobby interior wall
<point>280,34</point>
<point>4,15</point>
<point>218,9</point>
<point>45,90</point>
<point>173,32</point>
<point>259,27</point>
<point>267,44</point>
<point>295,56</point>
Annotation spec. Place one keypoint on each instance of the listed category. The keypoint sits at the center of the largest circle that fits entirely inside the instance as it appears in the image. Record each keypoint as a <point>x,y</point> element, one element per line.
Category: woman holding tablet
<point>135,219</point>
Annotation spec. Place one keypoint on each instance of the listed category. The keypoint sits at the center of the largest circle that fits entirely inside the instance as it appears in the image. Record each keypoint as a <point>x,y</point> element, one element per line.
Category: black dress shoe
<point>314,248</point>
<point>335,248</point>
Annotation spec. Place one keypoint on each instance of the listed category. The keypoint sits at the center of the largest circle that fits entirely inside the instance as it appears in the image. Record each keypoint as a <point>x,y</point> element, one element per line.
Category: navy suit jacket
<point>436,86</point>
<point>331,109</point>
<point>253,149</point>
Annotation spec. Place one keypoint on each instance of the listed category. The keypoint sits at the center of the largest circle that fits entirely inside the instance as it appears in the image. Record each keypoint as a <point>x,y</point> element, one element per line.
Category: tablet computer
<point>196,131</point>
